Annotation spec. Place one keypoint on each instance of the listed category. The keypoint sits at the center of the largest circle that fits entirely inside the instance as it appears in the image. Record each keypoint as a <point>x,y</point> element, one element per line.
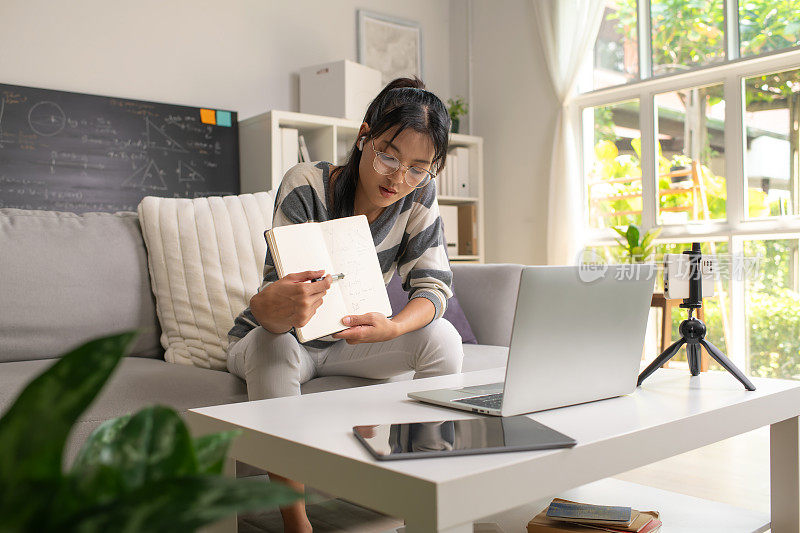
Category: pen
<point>334,277</point>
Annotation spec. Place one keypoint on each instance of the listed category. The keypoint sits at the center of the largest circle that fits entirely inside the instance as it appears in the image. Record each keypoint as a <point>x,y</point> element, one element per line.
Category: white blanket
<point>206,258</point>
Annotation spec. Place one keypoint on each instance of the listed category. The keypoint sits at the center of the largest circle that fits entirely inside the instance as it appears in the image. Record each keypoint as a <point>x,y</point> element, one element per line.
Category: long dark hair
<point>403,103</point>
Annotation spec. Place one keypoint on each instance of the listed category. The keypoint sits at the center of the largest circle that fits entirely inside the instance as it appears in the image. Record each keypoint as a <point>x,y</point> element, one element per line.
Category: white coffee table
<point>309,439</point>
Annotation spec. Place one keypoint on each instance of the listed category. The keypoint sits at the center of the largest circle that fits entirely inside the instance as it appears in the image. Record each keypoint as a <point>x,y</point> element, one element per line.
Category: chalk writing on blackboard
<point>46,118</point>
<point>79,152</point>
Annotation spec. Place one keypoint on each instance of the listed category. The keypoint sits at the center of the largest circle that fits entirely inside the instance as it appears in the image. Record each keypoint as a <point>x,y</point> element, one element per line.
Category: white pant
<point>276,365</point>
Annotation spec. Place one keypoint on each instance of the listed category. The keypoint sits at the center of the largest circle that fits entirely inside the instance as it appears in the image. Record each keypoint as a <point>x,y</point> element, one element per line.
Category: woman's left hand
<point>371,327</point>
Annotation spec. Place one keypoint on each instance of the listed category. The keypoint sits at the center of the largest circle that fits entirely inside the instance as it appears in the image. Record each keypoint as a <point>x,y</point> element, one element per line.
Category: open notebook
<point>341,245</point>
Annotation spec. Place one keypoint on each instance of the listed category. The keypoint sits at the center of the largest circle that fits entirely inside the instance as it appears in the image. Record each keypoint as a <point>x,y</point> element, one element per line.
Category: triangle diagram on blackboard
<point>146,177</point>
<point>156,138</point>
<point>187,173</point>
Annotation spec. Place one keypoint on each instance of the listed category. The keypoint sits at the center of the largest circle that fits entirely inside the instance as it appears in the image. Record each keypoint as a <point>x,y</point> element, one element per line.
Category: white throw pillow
<point>206,258</point>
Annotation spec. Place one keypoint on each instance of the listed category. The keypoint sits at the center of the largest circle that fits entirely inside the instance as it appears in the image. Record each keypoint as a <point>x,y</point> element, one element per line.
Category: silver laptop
<point>574,340</point>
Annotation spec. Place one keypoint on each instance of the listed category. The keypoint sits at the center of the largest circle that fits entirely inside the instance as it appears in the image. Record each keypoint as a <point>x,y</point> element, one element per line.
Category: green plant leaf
<point>633,236</point>
<point>96,445</point>
<point>91,479</point>
<point>649,236</point>
<point>622,233</point>
<point>124,455</point>
<point>154,444</point>
<point>211,451</point>
<point>35,428</point>
<point>181,504</point>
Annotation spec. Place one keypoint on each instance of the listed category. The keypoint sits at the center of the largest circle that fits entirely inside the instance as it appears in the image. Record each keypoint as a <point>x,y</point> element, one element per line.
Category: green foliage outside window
<point>688,33</point>
<point>773,310</point>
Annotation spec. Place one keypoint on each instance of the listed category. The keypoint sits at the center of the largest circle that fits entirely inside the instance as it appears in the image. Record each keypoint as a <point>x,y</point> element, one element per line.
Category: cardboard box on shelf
<point>341,89</point>
<point>468,229</point>
<point>449,214</point>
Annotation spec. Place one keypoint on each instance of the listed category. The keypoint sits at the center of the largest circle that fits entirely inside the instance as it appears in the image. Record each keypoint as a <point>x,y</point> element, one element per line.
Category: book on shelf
<point>462,185</point>
<point>290,151</point>
<point>304,155</point>
<point>468,229</point>
<point>342,245</point>
<point>452,172</point>
<point>449,214</point>
<point>441,182</point>
<point>568,516</point>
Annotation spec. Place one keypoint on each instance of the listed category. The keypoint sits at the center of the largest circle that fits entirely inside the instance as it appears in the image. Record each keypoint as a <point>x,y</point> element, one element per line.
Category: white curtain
<point>568,30</point>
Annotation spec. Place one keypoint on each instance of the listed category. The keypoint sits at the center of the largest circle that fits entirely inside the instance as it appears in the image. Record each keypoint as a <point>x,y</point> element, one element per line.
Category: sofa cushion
<point>136,383</point>
<point>398,298</point>
<point>205,257</point>
<point>69,278</point>
<point>488,296</point>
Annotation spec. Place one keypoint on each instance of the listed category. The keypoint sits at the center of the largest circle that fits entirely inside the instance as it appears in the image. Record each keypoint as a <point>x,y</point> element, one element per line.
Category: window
<point>691,154</point>
<point>686,34</point>
<point>701,138</point>
<point>773,312</point>
<point>768,26</point>
<point>614,177</point>
<point>616,54</point>
<point>771,120</point>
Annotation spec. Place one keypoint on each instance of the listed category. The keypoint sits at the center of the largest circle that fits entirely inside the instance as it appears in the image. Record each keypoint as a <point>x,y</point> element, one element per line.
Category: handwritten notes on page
<point>352,250</point>
<point>341,245</point>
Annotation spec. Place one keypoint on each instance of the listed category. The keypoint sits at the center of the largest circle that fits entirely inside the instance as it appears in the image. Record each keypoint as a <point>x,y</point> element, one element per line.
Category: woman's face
<point>376,190</point>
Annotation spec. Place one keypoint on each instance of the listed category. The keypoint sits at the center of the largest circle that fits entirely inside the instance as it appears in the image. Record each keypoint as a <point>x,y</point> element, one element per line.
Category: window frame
<point>736,228</point>
<point>732,76</point>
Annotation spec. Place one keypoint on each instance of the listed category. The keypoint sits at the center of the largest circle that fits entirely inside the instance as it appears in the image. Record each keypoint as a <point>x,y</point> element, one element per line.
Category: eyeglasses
<point>387,164</point>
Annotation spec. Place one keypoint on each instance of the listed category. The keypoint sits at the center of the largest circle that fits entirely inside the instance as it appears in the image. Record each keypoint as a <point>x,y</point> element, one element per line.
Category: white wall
<point>241,55</point>
<point>514,109</point>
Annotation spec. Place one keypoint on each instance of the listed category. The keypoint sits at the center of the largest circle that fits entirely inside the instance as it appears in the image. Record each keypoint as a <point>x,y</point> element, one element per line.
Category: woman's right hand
<point>290,301</point>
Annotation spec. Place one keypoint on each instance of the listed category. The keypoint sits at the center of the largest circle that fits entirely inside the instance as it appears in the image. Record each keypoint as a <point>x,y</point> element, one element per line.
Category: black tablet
<point>459,437</point>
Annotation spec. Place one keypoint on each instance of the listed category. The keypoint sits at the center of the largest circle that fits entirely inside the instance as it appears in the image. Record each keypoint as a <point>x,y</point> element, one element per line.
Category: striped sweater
<point>408,237</point>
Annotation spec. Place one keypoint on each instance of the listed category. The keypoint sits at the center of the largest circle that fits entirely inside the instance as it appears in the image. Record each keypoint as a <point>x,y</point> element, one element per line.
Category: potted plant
<point>139,472</point>
<point>456,107</point>
<point>637,247</point>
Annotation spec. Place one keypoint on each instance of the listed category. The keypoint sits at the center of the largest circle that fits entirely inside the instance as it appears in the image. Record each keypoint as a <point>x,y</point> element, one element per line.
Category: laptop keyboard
<point>491,401</point>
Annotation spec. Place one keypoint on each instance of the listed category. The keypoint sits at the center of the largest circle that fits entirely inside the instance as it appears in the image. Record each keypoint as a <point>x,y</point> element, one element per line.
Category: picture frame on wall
<point>390,45</point>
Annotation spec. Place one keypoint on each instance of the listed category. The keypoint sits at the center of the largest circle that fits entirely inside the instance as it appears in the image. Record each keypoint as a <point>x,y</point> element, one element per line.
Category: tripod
<point>693,332</point>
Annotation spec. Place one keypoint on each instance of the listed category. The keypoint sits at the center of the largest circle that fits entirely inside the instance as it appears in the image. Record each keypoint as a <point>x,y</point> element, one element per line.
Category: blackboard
<point>66,151</point>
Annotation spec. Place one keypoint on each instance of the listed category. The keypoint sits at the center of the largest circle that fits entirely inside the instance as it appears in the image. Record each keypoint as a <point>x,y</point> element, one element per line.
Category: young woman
<point>389,177</point>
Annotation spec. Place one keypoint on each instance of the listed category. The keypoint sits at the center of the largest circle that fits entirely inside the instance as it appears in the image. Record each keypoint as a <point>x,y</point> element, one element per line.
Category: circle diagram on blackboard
<point>46,118</point>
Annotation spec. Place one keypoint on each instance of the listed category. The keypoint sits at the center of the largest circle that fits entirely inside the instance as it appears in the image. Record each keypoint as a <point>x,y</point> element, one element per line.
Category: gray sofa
<point>67,278</point>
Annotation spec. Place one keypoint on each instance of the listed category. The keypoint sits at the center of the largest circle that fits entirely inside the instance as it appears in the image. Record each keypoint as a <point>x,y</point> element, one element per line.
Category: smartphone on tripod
<point>677,273</point>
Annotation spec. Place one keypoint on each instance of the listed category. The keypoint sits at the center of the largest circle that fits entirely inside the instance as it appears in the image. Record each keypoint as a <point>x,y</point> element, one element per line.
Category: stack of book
<point>565,515</point>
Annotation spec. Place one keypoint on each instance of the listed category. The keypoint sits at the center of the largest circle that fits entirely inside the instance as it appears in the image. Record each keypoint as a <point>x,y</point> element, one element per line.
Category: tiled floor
<point>735,471</point>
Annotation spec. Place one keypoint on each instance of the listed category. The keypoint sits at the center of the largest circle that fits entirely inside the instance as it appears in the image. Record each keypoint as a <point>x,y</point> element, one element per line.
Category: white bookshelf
<point>330,139</point>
